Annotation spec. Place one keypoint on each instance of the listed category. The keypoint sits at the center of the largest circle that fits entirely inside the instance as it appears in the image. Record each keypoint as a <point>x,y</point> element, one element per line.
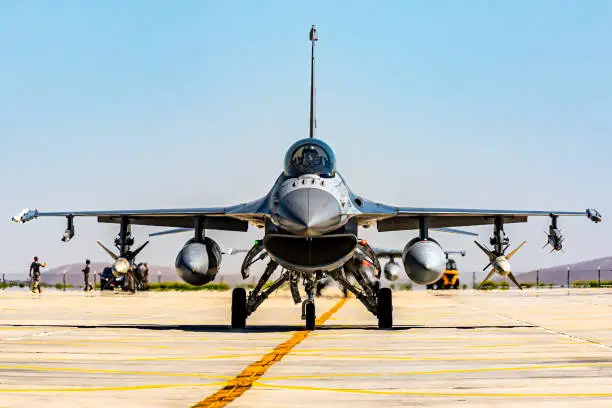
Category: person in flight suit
<point>35,274</point>
<point>143,276</point>
<point>86,275</point>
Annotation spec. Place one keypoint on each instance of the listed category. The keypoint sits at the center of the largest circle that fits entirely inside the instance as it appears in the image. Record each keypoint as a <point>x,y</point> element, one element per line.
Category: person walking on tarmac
<point>35,274</point>
<point>131,281</point>
<point>145,275</point>
<point>86,276</point>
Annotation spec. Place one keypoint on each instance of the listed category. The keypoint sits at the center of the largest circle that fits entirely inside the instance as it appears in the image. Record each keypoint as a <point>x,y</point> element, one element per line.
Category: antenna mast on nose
<point>313,121</point>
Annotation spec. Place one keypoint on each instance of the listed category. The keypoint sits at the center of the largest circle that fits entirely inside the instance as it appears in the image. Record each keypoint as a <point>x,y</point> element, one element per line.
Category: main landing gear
<point>352,277</point>
<point>385,308</point>
<point>239,310</point>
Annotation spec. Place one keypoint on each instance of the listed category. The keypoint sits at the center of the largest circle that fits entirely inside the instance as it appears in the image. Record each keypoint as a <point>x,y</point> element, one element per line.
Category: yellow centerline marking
<point>88,389</point>
<point>433,393</point>
<point>245,380</point>
<point>438,372</point>
<point>110,371</point>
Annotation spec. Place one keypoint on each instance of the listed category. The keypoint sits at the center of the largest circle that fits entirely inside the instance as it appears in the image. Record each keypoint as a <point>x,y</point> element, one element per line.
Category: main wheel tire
<point>456,285</point>
<point>310,316</point>
<point>239,312</point>
<point>385,308</point>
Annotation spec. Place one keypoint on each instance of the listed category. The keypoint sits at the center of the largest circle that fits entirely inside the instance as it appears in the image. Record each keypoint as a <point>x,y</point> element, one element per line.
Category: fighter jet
<point>310,223</point>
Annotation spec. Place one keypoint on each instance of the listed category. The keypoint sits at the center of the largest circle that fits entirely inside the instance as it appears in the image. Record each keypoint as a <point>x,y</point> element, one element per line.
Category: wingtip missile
<point>24,215</point>
<point>593,215</point>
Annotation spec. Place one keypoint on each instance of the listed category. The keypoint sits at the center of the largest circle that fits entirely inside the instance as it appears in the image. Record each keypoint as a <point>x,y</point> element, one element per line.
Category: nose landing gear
<point>309,314</point>
<point>239,310</point>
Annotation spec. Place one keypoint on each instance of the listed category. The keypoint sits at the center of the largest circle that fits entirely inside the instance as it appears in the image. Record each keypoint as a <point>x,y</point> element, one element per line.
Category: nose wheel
<point>309,314</point>
<point>239,310</point>
<point>385,308</point>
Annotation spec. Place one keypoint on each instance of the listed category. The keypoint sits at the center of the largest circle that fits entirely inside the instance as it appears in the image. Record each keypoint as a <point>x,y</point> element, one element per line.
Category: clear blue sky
<point>140,104</point>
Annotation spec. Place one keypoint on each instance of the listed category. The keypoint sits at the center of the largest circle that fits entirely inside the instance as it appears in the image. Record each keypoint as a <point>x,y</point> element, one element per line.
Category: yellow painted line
<point>102,371</point>
<point>80,343</point>
<point>89,389</point>
<point>437,372</point>
<point>431,393</point>
<point>215,357</point>
<point>245,380</point>
<point>504,345</point>
<point>302,353</point>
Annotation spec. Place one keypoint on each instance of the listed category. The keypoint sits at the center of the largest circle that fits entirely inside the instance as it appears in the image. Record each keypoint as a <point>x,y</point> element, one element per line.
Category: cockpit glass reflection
<point>310,158</point>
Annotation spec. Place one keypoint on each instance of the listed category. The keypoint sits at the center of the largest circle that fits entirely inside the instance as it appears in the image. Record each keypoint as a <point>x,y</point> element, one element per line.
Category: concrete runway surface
<point>466,348</point>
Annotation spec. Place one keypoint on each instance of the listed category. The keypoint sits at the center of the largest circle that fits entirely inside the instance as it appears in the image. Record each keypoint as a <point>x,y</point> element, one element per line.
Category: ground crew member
<point>35,274</point>
<point>145,274</point>
<point>86,276</point>
<point>131,284</point>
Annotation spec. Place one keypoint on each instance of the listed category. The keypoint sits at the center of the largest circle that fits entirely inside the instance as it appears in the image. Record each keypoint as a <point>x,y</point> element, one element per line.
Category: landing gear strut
<point>378,302</point>
<point>309,314</point>
<point>308,306</point>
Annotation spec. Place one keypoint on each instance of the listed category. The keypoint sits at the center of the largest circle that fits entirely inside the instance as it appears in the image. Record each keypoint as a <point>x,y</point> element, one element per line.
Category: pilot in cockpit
<point>310,158</point>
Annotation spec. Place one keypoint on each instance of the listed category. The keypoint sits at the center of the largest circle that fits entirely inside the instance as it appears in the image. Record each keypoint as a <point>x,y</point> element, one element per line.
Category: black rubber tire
<point>239,312</point>
<point>310,316</point>
<point>430,286</point>
<point>456,285</point>
<point>385,308</point>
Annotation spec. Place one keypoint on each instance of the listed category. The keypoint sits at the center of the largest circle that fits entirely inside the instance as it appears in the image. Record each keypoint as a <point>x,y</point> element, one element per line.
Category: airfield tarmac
<point>478,349</point>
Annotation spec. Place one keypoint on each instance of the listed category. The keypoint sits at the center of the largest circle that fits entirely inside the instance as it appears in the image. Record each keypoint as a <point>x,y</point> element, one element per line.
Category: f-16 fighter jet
<point>310,222</point>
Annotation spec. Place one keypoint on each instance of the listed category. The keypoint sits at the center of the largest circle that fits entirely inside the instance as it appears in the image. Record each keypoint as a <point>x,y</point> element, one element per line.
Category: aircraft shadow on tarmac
<point>212,328</point>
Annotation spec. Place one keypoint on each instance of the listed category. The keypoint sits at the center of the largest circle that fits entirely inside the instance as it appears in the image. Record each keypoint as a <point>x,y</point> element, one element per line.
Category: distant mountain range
<point>586,270</point>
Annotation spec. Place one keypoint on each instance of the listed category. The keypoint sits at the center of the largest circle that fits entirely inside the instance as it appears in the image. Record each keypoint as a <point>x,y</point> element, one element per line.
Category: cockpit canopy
<point>310,156</point>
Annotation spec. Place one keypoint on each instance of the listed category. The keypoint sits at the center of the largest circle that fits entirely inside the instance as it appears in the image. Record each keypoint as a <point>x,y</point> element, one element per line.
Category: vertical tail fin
<point>313,120</point>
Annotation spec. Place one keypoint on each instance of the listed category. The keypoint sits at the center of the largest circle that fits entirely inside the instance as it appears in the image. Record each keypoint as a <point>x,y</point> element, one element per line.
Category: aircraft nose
<point>309,212</point>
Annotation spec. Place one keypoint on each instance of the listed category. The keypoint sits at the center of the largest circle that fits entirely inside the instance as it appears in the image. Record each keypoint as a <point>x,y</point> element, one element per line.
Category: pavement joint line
<point>70,329</point>
<point>432,393</point>
<point>244,381</point>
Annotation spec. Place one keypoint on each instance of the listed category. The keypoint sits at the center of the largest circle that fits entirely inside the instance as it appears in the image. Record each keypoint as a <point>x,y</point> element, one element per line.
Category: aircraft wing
<point>233,218</point>
<point>390,218</point>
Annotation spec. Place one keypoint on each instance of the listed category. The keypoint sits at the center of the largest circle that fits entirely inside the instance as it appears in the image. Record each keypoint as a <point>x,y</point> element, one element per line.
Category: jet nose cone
<point>309,211</point>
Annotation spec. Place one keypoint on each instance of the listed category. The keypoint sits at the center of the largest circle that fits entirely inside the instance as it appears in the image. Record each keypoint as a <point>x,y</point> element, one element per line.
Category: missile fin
<point>515,250</point>
<point>108,251</point>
